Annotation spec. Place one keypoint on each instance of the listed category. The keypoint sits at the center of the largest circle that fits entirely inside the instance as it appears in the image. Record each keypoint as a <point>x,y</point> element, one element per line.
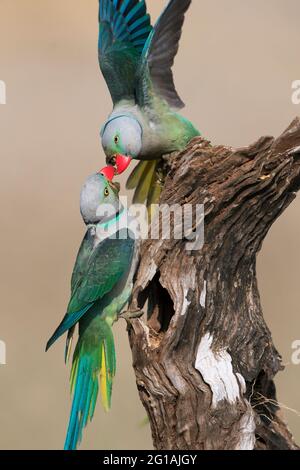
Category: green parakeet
<point>100,288</point>
<point>136,60</point>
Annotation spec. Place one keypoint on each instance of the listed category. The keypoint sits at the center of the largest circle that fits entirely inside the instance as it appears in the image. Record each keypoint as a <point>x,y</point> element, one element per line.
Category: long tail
<point>94,365</point>
<point>147,181</point>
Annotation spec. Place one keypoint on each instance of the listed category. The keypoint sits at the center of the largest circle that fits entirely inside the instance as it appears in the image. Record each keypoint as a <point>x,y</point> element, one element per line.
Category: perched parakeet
<point>100,288</point>
<point>136,60</point>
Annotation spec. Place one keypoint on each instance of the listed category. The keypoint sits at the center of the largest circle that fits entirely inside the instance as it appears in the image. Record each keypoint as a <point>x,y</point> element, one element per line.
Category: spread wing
<point>95,274</point>
<point>155,74</point>
<point>124,27</point>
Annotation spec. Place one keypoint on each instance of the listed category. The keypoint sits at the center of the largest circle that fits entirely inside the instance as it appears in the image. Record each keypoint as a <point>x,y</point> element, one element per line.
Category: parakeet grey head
<point>99,200</point>
<point>122,136</point>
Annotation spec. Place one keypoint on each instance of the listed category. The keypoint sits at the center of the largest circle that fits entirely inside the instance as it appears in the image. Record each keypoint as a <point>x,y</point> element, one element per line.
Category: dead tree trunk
<point>204,358</point>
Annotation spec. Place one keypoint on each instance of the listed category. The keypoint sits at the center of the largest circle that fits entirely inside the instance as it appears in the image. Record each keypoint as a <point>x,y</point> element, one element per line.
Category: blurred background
<point>235,68</point>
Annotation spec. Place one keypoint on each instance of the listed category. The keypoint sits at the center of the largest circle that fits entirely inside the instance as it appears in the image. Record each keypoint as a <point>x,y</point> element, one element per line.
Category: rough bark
<point>204,358</point>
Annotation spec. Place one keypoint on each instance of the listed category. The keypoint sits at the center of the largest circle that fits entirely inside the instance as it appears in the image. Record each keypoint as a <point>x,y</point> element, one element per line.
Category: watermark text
<point>296,92</point>
<point>296,354</point>
<point>2,353</point>
<point>168,222</point>
<point>2,92</point>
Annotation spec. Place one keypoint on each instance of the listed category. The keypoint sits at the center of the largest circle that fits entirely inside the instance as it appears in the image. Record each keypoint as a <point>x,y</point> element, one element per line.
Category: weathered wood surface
<point>204,358</point>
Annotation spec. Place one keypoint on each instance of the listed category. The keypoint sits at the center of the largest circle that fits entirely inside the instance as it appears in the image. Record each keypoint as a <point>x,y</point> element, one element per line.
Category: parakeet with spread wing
<point>100,288</point>
<point>136,60</point>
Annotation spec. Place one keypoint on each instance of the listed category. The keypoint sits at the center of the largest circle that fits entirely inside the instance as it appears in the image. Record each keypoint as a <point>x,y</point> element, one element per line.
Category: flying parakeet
<point>136,60</point>
<point>100,288</point>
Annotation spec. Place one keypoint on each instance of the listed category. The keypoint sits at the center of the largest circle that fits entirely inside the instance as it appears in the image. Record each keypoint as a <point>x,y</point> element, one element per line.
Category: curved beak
<point>109,172</point>
<point>122,163</point>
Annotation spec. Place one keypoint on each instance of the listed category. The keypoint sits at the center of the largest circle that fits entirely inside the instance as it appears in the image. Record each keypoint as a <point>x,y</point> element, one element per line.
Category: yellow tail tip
<point>104,383</point>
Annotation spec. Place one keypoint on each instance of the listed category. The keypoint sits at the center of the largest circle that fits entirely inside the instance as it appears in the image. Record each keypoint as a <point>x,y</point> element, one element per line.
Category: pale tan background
<point>235,68</point>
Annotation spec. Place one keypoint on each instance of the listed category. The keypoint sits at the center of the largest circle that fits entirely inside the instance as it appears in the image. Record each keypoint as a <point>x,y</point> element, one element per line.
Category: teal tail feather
<point>93,368</point>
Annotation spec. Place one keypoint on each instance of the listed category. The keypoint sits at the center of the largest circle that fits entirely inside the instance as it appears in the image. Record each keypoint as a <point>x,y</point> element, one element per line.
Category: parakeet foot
<point>131,314</point>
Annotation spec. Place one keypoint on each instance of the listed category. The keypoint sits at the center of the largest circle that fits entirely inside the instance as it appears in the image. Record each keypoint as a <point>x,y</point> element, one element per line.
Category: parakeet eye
<point>106,192</point>
<point>116,139</point>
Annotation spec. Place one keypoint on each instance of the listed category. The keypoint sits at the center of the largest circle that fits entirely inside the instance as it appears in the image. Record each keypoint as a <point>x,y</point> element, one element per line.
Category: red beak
<point>122,163</point>
<point>108,172</point>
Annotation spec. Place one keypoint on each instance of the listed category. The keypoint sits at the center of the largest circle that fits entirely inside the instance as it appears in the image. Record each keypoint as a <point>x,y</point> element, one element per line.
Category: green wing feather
<point>147,181</point>
<point>155,72</point>
<point>107,265</point>
<point>124,27</point>
<point>143,187</point>
<point>155,191</point>
<point>96,273</point>
<point>82,260</point>
<point>135,59</point>
<point>136,174</point>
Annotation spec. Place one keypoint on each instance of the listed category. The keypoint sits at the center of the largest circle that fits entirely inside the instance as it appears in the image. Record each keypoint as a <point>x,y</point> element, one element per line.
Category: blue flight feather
<point>124,17</point>
<point>70,320</point>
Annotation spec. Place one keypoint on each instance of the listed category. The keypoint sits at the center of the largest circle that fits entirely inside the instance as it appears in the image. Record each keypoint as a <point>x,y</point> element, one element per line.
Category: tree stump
<point>204,358</point>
